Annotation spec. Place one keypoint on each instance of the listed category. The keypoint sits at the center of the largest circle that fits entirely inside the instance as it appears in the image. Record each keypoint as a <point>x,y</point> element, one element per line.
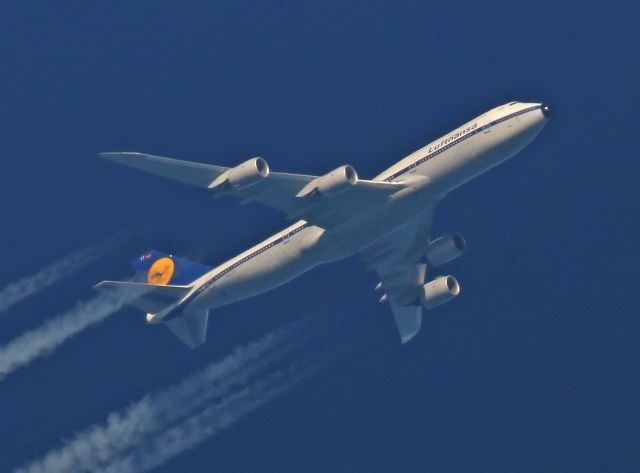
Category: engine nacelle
<point>442,289</point>
<point>446,248</point>
<point>336,182</point>
<point>244,175</point>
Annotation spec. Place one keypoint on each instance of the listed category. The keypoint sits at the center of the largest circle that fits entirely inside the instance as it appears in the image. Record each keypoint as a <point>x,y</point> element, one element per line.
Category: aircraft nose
<point>546,110</point>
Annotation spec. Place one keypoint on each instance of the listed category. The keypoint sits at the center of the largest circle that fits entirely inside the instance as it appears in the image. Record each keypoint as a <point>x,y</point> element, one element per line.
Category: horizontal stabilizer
<point>190,328</point>
<point>149,298</point>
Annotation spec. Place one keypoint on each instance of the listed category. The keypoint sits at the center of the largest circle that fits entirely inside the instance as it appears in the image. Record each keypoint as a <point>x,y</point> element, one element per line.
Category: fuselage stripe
<point>241,261</point>
<point>441,149</point>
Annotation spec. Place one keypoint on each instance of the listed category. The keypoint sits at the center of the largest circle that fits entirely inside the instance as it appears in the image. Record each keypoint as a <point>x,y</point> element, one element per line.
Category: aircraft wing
<point>396,258</point>
<point>278,190</point>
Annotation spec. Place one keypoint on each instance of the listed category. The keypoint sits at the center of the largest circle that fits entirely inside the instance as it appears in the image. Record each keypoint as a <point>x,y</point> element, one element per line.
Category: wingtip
<point>117,154</point>
<point>408,337</point>
<point>102,285</point>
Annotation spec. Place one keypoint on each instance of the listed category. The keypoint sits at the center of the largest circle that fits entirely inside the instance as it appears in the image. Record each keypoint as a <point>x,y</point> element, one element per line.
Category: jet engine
<point>244,175</point>
<point>446,248</point>
<point>336,182</point>
<point>442,289</point>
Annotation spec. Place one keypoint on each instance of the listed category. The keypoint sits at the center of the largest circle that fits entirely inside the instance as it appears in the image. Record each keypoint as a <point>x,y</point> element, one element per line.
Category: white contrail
<point>19,290</point>
<point>154,413</point>
<point>41,341</point>
<point>210,421</point>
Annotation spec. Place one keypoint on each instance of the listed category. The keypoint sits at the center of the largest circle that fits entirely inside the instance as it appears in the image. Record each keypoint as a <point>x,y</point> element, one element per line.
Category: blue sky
<point>534,369</point>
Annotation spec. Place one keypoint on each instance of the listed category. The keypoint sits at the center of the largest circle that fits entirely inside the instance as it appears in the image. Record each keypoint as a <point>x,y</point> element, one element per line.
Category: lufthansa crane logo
<point>161,271</point>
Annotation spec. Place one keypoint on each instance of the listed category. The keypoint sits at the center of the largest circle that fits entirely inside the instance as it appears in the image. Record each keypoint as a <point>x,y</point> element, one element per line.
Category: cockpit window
<point>511,103</point>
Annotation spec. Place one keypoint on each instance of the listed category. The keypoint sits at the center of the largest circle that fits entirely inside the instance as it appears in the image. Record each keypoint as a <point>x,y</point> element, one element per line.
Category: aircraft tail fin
<point>161,268</point>
<point>168,280</point>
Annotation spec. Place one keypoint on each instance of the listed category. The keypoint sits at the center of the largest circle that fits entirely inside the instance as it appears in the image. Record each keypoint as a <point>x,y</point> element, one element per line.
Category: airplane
<point>386,221</point>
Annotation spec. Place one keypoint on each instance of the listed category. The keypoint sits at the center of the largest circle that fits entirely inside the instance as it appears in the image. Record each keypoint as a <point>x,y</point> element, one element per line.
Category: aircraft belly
<point>303,251</point>
<point>362,230</point>
<point>266,271</point>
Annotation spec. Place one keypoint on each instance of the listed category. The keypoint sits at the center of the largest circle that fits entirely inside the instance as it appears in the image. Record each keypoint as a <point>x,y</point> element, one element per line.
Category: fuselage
<point>430,173</point>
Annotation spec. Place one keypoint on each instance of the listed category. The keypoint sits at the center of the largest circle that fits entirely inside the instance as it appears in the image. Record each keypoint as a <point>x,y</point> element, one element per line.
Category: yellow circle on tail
<point>160,272</point>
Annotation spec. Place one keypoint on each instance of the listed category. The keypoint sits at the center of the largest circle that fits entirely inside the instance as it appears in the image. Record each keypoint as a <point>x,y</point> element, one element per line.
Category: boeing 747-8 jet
<point>385,220</point>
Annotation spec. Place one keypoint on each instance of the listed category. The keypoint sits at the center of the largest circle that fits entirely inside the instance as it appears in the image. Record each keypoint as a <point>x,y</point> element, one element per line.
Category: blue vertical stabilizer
<point>162,268</point>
